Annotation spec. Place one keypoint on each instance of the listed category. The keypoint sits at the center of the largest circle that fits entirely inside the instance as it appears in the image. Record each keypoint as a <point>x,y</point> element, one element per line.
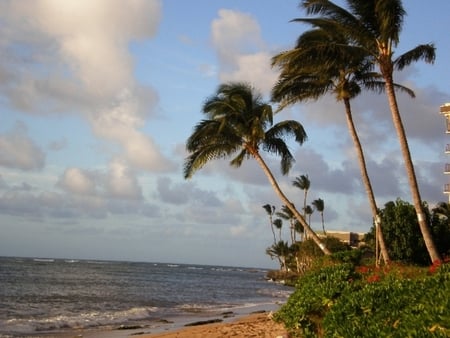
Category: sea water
<point>55,295</point>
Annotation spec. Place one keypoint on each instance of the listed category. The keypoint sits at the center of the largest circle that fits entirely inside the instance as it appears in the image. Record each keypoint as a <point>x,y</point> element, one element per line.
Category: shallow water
<point>53,295</point>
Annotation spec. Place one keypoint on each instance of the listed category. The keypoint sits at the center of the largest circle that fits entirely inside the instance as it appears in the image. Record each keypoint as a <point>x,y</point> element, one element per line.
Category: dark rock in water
<point>129,327</point>
<point>164,321</point>
<point>204,322</point>
<point>227,314</point>
<point>257,312</point>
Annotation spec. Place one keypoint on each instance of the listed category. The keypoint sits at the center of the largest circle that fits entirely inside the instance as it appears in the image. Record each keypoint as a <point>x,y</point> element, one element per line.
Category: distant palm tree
<point>319,204</point>
<point>238,121</point>
<point>286,214</point>
<point>308,212</point>
<point>373,27</point>
<point>279,250</point>
<point>270,209</point>
<point>278,223</point>
<point>302,182</point>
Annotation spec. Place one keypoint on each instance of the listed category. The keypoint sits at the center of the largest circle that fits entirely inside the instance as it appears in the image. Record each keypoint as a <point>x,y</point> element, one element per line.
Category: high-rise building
<point>445,110</point>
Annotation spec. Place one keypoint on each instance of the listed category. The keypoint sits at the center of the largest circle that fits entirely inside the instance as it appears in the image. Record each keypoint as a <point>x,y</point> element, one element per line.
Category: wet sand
<point>258,325</point>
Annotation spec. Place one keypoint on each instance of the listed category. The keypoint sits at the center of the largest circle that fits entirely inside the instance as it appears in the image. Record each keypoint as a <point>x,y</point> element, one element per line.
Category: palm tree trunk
<point>286,201</point>
<point>368,186</point>
<point>398,124</point>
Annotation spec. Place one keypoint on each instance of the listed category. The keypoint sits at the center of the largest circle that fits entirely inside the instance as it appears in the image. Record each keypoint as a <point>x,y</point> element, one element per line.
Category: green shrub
<point>344,301</point>
<point>315,293</point>
<point>393,307</point>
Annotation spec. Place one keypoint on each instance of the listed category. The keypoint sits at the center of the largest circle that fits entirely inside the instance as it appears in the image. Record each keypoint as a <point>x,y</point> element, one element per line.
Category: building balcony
<point>447,168</point>
<point>447,149</point>
<point>445,109</point>
<point>446,188</point>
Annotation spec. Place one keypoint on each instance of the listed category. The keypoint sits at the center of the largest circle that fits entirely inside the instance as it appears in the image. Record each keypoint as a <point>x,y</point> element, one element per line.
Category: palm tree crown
<point>239,123</point>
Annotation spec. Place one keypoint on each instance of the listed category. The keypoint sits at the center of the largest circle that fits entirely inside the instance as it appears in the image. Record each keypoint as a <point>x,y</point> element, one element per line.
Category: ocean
<point>57,297</point>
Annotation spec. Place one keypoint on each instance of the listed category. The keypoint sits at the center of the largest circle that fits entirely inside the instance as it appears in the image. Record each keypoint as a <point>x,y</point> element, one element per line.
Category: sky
<point>97,100</point>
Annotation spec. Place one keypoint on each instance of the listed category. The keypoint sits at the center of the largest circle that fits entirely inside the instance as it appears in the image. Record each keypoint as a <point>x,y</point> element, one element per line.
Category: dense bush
<point>344,301</point>
<point>402,234</point>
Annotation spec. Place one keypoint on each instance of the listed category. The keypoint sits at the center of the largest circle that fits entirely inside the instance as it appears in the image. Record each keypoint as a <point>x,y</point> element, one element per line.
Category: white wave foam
<point>83,320</point>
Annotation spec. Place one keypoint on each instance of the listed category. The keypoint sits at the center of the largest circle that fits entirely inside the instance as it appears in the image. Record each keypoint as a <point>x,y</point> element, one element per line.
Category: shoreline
<point>242,322</point>
<point>252,325</point>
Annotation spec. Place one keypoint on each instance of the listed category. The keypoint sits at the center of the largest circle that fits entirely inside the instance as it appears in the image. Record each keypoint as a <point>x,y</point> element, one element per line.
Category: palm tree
<point>302,182</point>
<point>278,223</point>
<point>308,212</point>
<point>238,121</point>
<point>319,204</point>
<point>270,209</point>
<point>317,65</point>
<point>286,214</point>
<point>279,250</point>
<point>373,27</point>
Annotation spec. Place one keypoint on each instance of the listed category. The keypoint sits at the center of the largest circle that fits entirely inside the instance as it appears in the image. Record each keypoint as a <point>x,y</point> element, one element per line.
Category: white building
<point>445,110</point>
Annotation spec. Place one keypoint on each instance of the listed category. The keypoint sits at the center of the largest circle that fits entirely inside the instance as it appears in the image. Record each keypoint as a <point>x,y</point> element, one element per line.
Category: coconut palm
<point>238,123</point>
<point>308,212</point>
<point>286,214</point>
<point>279,250</point>
<point>270,209</point>
<point>318,65</point>
<point>302,182</point>
<point>278,223</point>
<point>373,27</point>
<point>319,204</point>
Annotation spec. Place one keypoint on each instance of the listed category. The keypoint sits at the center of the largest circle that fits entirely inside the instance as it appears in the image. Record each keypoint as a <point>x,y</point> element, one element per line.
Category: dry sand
<point>255,325</point>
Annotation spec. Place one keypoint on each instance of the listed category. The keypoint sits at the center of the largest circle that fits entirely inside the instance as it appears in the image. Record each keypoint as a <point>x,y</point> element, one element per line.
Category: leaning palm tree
<point>318,65</point>
<point>319,204</point>
<point>373,27</point>
<point>239,123</point>
<point>270,209</point>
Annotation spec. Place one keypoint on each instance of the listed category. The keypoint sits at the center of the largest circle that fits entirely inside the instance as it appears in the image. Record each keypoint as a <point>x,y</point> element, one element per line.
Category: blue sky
<point>97,100</point>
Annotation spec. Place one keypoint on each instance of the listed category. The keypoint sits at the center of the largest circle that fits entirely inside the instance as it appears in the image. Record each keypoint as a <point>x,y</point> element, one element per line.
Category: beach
<point>258,325</point>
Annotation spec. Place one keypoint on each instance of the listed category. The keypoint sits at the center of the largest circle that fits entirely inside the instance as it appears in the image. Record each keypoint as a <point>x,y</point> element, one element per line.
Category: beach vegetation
<point>341,298</point>
<point>238,123</point>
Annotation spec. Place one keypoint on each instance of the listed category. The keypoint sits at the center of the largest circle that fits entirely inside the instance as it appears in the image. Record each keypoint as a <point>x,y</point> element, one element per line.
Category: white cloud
<point>17,150</point>
<point>77,181</point>
<point>237,40</point>
<point>122,182</point>
<point>73,57</point>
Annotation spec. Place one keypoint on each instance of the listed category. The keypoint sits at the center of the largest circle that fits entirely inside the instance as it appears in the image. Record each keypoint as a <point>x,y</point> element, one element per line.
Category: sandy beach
<point>254,325</point>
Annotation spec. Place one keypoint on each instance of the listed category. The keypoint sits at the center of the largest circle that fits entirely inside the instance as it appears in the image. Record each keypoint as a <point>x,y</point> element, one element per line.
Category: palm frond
<point>426,52</point>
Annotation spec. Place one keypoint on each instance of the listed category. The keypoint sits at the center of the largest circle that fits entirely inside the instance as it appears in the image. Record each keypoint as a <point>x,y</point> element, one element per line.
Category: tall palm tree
<point>374,27</point>
<point>319,204</point>
<point>238,121</point>
<point>270,209</point>
<point>318,65</point>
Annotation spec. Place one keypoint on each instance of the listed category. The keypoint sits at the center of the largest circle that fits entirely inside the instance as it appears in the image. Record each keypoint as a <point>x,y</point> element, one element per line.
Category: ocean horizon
<point>48,296</point>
